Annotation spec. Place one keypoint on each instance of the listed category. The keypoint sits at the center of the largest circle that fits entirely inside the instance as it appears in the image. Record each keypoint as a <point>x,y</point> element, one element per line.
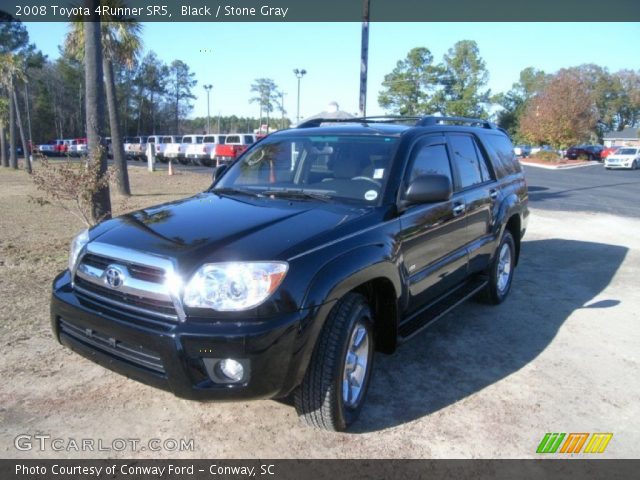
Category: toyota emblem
<point>113,277</point>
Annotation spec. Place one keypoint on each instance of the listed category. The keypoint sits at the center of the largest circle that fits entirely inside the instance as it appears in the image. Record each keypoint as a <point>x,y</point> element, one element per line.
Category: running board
<point>417,322</point>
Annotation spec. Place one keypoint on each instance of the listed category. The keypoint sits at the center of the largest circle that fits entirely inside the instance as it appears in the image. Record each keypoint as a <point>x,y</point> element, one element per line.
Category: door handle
<point>493,193</point>
<point>459,209</point>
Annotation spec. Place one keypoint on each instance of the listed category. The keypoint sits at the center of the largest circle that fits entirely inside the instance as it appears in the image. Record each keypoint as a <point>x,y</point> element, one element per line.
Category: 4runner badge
<point>113,277</point>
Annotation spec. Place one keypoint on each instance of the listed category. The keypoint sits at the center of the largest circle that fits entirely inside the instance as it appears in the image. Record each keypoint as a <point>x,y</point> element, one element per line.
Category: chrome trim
<point>134,286</point>
<point>125,306</point>
<point>130,285</point>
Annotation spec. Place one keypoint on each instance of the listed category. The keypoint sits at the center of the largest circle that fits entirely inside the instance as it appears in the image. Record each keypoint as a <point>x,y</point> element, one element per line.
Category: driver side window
<point>430,160</point>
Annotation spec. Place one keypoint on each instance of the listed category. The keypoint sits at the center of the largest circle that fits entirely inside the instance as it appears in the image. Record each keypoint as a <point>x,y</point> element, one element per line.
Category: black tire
<point>319,398</point>
<point>493,293</point>
<point>634,165</point>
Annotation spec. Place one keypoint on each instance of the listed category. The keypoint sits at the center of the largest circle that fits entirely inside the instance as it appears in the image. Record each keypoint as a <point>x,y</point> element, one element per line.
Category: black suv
<point>317,246</point>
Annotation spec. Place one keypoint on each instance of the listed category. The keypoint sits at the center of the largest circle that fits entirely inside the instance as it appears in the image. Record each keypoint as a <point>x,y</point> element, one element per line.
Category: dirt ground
<point>560,355</point>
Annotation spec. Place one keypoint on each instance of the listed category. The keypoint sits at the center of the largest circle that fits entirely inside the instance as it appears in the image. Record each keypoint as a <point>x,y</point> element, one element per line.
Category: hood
<point>213,228</point>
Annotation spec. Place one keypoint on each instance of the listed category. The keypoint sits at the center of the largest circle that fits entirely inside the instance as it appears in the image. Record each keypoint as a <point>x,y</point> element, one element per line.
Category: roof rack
<point>422,121</point>
<point>433,120</point>
<point>316,122</point>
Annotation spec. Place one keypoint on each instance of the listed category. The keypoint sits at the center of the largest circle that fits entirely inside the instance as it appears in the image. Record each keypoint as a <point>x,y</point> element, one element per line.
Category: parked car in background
<point>161,146</point>
<point>78,147</point>
<point>138,147</point>
<point>607,151</point>
<point>541,148</point>
<point>192,148</point>
<point>588,152</point>
<point>48,148</point>
<point>202,153</point>
<point>152,140</point>
<point>624,157</point>
<point>127,143</point>
<point>522,150</point>
<point>234,145</point>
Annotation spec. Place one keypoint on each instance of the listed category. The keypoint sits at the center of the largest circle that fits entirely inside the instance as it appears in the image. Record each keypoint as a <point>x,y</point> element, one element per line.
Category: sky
<point>230,56</point>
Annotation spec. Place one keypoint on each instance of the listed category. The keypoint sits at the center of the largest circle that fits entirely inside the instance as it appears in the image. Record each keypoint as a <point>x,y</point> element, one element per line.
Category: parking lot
<point>560,355</point>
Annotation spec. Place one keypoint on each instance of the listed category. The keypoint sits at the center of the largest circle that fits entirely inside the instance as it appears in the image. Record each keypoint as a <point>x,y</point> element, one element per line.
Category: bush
<point>546,156</point>
<point>70,185</point>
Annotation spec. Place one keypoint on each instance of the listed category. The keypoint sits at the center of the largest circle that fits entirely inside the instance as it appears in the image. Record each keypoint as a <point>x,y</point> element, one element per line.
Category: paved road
<point>585,189</point>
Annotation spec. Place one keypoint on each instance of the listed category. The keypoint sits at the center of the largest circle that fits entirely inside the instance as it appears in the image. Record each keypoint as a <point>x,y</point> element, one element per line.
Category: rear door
<point>432,235</point>
<point>480,194</point>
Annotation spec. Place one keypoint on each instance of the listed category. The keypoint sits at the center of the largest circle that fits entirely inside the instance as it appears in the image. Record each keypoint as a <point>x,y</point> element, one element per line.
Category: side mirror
<point>429,189</point>
<point>218,171</point>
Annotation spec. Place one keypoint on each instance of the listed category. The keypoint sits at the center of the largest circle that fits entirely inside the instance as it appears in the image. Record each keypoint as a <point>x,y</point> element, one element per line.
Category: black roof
<point>388,125</point>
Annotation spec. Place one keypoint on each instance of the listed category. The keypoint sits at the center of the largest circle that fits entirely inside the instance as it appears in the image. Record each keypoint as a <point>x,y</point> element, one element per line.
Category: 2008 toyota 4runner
<point>319,245</point>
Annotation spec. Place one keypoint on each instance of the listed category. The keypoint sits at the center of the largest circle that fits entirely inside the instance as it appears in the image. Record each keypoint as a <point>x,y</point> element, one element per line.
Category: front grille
<point>134,354</point>
<point>141,272</point>
<point>158,306</point>
<point>142,292</point>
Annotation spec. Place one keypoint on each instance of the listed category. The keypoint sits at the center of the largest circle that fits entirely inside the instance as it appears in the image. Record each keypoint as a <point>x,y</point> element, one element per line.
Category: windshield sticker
<point>371,195</point>
<point>378,173</point>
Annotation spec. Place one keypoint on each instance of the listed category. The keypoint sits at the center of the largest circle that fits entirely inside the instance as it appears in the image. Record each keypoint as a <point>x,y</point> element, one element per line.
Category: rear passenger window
<point>501,151</point>
<point>465,158</point>
<point>430,160</point>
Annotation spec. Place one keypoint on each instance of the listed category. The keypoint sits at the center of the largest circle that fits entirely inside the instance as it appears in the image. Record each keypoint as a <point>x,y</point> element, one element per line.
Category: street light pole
<point>282,94</point>
<point>208,89</point>
<point>299,74</point>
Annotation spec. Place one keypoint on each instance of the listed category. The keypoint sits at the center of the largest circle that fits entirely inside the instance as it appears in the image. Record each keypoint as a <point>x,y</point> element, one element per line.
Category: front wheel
<point>501,271</point>
<point>335,385</point>
<point>634,165</point>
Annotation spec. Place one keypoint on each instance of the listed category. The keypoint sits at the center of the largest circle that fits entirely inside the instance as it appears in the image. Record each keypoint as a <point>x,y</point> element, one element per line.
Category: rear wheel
<point>335,385</point>
<point>500,272</point>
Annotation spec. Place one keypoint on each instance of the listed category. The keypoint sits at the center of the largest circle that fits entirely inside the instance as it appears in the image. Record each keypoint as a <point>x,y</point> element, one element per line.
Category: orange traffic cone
<point>170,167</point>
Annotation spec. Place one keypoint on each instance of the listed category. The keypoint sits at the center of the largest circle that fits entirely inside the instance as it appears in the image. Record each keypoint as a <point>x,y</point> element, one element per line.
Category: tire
<point>323,399</point>
<point>634,165</point>
<point>499,286</point>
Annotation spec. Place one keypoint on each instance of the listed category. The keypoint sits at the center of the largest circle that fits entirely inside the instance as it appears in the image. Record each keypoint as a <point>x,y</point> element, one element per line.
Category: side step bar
<point>418,321</point>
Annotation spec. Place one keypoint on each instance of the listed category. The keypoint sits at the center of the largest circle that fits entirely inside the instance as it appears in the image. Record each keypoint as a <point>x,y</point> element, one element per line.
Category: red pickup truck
<point>234,145</point>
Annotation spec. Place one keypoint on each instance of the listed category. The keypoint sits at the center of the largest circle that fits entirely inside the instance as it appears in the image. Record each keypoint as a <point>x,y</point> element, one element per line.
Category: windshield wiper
<point>288,193</point>
<point>234,191</point>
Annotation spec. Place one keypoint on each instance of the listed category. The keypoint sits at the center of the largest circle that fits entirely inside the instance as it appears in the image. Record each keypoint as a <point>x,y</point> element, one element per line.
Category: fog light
<point>231,369</point>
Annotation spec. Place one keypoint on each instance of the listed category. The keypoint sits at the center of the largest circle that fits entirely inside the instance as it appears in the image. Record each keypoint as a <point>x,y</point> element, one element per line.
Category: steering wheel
<point>368,180</point>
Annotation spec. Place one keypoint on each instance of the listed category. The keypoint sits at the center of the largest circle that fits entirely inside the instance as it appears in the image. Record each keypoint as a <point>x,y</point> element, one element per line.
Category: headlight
<point>233,286</point>
<point>77,245</point>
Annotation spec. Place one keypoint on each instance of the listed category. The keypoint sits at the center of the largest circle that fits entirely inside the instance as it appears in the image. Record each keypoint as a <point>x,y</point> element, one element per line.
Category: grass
<point>34,240</point>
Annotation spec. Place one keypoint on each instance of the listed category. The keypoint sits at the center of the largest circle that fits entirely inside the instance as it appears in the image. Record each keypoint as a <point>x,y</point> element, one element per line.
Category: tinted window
<point>466,160</point>
<point>248,139</point>
<point>501,152</point>
<point>430,160</point>
<point>233,139</point>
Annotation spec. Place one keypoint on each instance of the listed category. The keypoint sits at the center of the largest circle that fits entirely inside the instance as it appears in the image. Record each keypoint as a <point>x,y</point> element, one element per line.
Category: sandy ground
<point>561,355</point>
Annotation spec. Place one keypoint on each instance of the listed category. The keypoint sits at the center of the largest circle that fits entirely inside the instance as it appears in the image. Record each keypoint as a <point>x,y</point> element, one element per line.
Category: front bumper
<point>178,356</point>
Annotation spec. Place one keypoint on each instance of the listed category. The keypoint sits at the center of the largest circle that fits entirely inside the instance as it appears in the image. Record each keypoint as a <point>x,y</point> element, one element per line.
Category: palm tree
<point>120,43</point>
<point>11,73</point>
<point>94,98</point>
<point>4,113</point>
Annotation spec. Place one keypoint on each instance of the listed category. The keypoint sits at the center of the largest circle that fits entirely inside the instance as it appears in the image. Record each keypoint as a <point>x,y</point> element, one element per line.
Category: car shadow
<point>478,345</point>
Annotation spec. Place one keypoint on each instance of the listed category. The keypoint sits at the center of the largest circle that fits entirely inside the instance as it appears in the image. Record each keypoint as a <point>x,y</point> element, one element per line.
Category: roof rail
<point>432,120</point>
<point>316,122</point>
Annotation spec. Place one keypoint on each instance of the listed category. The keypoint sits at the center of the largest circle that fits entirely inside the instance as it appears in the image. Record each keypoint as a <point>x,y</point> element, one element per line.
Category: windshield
<point>627,151</point>
<point>353,168</point>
